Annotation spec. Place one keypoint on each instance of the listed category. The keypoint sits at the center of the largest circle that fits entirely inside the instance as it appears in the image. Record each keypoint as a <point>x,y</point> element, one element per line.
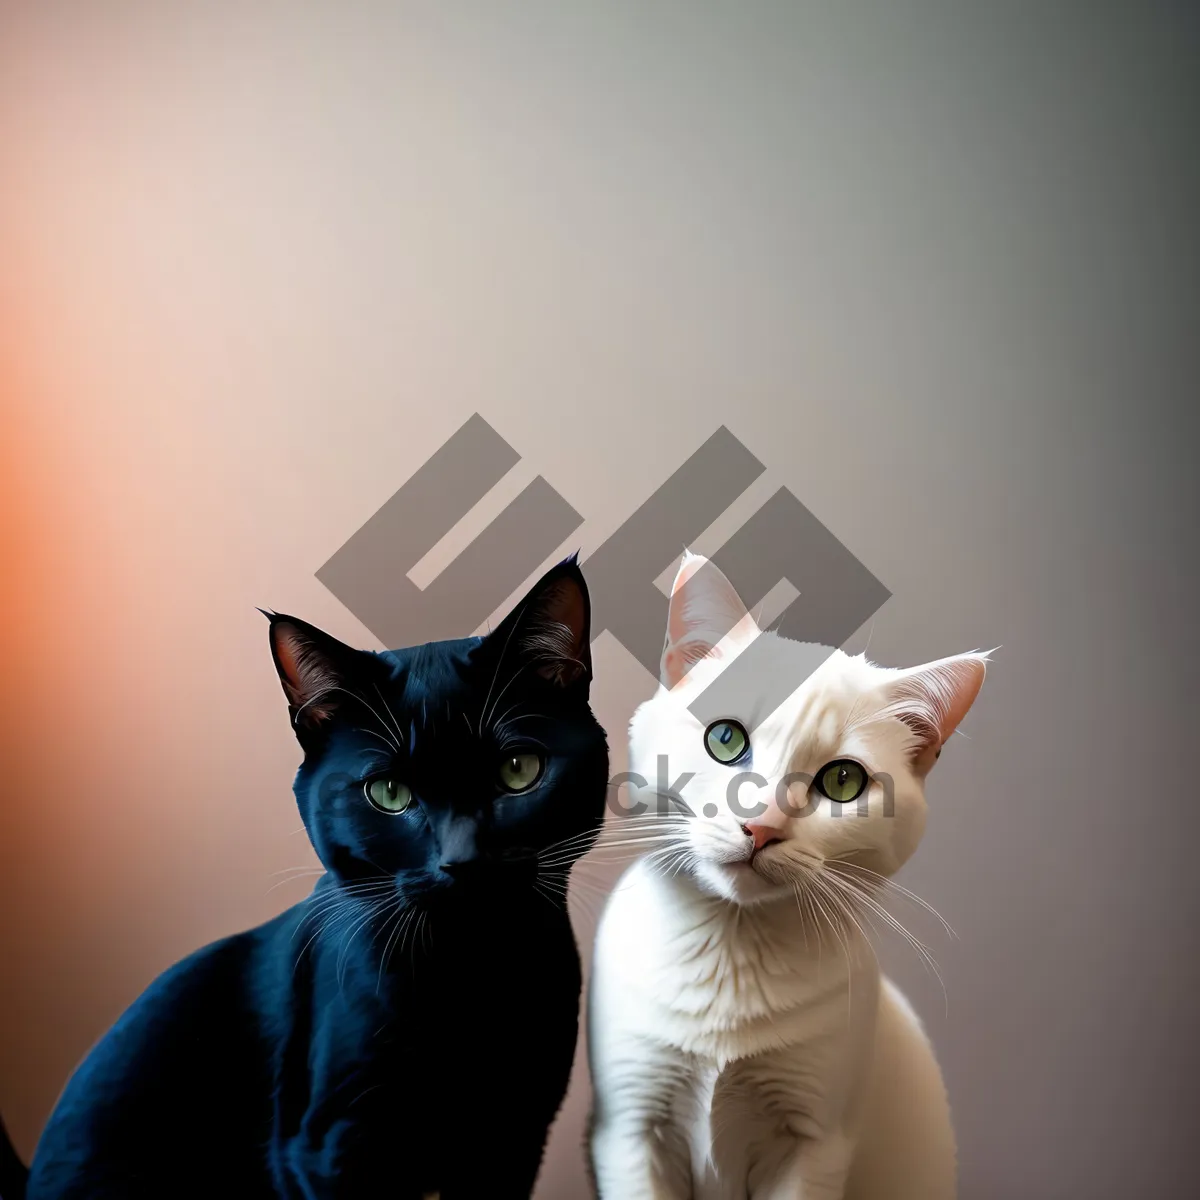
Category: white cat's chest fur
<point>735,1031</point>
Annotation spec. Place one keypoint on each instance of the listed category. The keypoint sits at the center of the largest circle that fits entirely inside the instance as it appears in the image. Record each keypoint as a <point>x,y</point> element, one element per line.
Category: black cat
<point>409,1028</point>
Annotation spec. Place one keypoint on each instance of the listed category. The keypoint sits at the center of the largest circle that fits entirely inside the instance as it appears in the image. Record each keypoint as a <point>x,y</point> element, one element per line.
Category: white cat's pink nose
<point>766,829</point>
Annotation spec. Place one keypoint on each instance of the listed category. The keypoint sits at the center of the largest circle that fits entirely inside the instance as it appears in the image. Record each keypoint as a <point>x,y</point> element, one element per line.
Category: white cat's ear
<point>933,699</point>
<point>704,609</point>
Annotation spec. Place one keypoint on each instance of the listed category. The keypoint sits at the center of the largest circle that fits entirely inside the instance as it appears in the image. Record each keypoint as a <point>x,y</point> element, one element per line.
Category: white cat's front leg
<point>816,1169</point>
<point>633,1161</point>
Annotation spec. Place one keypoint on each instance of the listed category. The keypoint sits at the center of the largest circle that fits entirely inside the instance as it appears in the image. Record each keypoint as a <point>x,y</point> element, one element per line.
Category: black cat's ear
<point>313,668</point>
<point>551,627</point>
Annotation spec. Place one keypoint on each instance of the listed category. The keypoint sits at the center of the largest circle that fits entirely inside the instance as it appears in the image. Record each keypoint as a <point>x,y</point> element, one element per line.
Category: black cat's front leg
<point>497,1165</point>
<point>343,1163</point>
<point>355,1136</point>
<point>495,1145</point>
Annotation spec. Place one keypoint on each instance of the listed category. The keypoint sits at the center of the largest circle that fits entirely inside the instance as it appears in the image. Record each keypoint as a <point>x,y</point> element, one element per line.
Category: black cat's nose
<point>457,869</point>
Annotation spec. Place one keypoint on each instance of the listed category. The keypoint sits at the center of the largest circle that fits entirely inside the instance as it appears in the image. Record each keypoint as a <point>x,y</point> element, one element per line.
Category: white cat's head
<point>832,781</point>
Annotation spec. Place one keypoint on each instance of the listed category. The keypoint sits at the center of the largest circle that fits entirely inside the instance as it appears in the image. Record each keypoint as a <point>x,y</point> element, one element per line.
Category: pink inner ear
<point>704,608</point>
<point>556,635</point>
<point>933,700</point>
<point>677,618</point>
<point>305,675</point>
<point>968,673</point>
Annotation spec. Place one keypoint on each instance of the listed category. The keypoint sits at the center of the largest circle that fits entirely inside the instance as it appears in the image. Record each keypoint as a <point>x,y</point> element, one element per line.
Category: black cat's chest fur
<point>445,1074</point>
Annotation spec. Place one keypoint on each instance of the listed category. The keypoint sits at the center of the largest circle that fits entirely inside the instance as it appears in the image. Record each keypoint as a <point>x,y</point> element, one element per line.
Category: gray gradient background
<point>935,264</point>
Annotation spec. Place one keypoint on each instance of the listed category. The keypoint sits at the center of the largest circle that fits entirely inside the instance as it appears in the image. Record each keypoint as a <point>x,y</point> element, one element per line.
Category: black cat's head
<point>450,767</point>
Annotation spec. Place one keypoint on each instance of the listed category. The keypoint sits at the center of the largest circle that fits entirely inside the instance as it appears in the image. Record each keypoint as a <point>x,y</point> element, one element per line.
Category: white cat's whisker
<point>922,951</point>
<point>888,885</point>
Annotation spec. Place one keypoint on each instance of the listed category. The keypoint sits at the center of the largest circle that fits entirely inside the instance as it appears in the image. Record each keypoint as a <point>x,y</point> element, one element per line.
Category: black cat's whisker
<point>612,855</point>
<point>394,923</point>
<point>502,735</point>
<point>319,927</point>
<point>499,663</point>
<point>387,741</point>
<point>370,907</point>
<point>343,894</point>
<point>293,878</point>
<point>564,850</point>
<point>505,720</point>
<point>594,842</point>
<point>409,938</point>
<point>564,882</point>
<point>594,895</point>
<point>575,837</point>
<point>586,906</point>
<point>354,696</point>
<point>373,909</point>
<point>339,896</point>
<point>563,863</point>
<point>634,826</point>
<point>564,854</point>
<point>386,708</point>
<point>388,909</point>
<point>372,751</point>
<point>504,715</point>
<point>649,838</point>
<point>395,941</point>
<point>632,830</point>
<point>319,919</point>
<point>500,695</point>
<point>549,897</point>
<point>596,875</point>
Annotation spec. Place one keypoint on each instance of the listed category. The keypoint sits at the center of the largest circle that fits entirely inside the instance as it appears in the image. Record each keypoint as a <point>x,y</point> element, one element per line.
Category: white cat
<point>742,1040</point>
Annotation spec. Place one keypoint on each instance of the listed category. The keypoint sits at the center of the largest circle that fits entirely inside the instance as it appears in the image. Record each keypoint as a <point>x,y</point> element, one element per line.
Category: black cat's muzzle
<point>509,868</point>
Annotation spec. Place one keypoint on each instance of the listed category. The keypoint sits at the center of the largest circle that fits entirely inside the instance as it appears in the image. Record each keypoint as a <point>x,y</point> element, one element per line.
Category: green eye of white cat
<point>727,741</point>
<point>842,781</point>
<point>519,772</point>
<point>388,795</point>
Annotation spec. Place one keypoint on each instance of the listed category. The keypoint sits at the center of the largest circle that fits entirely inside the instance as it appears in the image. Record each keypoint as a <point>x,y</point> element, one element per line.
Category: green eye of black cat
<point>727,741</point>
<point>842,781</point>
<point>387,795</point>
<point>519,772</point>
